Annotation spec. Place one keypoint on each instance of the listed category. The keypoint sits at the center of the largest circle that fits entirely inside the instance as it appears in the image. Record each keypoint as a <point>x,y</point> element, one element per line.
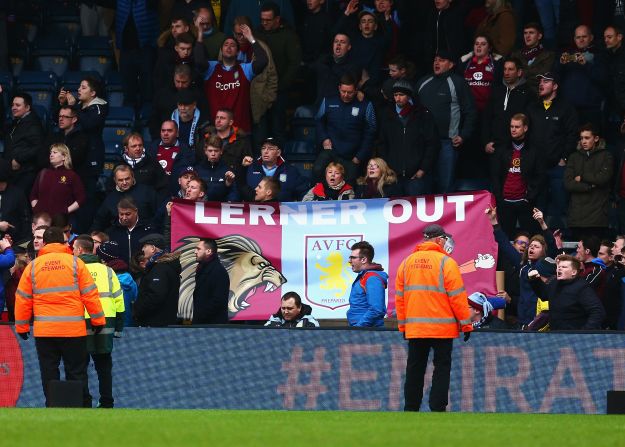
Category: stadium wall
<point>255,368</point>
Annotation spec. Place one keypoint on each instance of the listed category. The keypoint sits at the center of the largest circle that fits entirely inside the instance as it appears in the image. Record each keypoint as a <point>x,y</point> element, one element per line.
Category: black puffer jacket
<point>157,302</point>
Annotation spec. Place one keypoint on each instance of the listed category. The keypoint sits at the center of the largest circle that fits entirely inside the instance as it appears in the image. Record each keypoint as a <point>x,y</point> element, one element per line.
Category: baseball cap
<point>548,76</point>
<point>188,170</point>
<point>434,230</point>
<point>153,239</point>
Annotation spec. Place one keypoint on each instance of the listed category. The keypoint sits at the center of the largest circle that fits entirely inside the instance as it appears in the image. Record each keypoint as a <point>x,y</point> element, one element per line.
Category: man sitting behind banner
<point>292,313</point>
<point>367,306</point>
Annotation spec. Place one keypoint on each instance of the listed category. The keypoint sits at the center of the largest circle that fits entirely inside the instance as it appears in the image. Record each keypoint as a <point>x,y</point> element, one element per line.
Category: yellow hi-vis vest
<point>109,290</point>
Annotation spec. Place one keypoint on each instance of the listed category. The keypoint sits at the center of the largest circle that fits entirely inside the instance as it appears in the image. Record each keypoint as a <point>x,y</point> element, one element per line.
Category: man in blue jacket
<point>271,164</point>
<point>367,304</point>
<point>346,128</point>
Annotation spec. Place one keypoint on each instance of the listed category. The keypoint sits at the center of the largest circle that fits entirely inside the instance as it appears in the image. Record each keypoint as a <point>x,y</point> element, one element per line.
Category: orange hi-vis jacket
<point>429,295</point>
<point>56,288</point>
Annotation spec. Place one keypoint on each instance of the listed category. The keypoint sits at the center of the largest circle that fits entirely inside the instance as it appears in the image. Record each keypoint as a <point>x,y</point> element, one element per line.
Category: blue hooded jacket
<point>367,309</point>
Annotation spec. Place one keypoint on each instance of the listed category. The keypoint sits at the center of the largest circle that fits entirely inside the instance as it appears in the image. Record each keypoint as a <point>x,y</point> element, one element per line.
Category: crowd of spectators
<point>407,98</point>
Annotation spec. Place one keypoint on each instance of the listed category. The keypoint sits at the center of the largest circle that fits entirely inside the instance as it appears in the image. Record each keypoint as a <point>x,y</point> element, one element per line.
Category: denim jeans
<point>549,12</point>
<point>447,158</point>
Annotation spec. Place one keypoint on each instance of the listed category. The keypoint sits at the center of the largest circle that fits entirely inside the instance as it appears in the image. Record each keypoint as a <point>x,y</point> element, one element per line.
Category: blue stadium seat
<point>62,18</point>
<point>113,150</point>
<point>52,53</point>
<point>114,90</point>
<point>94,54</point>
<point>6,81</point>
<point>43,113</point>
<point>299,147</point>
<point>304,129</point>
<point>120,121</point>
<point>18,57</point>
<point>71,79</point>
<point>39,78</point>
<point>303,163</point>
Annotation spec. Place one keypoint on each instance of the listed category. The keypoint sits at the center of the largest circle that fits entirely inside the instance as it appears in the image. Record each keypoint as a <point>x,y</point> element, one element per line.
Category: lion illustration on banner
<point>247,267</point>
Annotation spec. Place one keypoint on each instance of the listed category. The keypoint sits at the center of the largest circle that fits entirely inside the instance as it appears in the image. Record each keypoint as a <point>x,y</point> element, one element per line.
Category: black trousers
<point>508,214</point>
<point>418,353</point>
<point>73,352</point>
<point>104,367</point>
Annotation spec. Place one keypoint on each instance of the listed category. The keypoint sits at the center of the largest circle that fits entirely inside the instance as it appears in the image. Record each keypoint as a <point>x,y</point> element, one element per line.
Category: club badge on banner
<point>271,248</point>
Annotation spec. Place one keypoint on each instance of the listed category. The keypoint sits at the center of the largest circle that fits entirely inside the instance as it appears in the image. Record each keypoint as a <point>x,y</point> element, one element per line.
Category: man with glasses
<point>367,303</point>
<point>73,137</point>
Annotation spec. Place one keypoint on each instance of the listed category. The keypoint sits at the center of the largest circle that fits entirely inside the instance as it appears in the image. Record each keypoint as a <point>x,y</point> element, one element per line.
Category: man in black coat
<point>14,208</point>
<point>157,302</point>
<point>23,142</point>
<point>73,137</point>
<point>409,140</point>
<point>128,230</point>
<point>507,99</point>
<point>125,185</point>
<point>212,286</point>
<point>517,176</point>
<point>146,168</point>
<point>555,135</point>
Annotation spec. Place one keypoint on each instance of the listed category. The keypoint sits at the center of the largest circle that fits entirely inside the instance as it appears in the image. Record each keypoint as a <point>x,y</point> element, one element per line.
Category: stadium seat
<point>52,53</point>
<point>43,113</point>
<point>94,54</point>
<point>114,90</point>
<point>62,18</point>
<point>38,78</point>
<point>6,81</point>
<point>299,147</point>
<point>303,163</point>
<point>304,129</point>
<point>113,150</point>
<point>71,79</point>
<point>119,122</point>
<point>18,56</point>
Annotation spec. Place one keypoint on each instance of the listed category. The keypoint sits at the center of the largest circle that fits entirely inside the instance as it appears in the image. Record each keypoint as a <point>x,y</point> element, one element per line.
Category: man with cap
<point>432,308</point>
<point>346,127</point>
<point>110,254</point>
<point>409,140</point>
<point>554,135</point>
<point>481,308</point>
<point>448,97</point>
<point>157,302</point>
<point>187,116</point>
<point>271,164</point>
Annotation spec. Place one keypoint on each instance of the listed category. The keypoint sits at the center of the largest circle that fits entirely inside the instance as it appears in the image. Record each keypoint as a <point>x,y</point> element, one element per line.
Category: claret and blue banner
<point>271,248</point>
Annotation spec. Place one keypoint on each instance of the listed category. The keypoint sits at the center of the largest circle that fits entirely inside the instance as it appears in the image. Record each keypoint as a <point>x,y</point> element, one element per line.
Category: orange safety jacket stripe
<point>431,304</point>
<point>56,291</point>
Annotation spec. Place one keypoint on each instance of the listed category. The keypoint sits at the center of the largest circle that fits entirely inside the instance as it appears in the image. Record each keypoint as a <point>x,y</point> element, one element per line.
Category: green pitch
<point>153,428</point>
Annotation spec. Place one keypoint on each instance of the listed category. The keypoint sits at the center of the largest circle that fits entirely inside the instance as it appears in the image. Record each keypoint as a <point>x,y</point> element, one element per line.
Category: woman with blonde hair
<point>334,187</point>
<point>58,189</point>
<point>379,181</point>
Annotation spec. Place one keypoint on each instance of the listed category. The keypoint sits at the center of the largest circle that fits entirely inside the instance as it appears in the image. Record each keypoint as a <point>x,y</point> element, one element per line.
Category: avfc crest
<point>236,75</point>
<point>63,179</point>
<point>328,274</point>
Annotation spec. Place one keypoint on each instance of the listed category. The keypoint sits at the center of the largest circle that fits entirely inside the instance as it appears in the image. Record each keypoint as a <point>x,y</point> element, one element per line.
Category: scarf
<point>530,53</point>
<point>133,162</point>
<point>175,116</point>
<point>154,258</point>
<point>406,110</point>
